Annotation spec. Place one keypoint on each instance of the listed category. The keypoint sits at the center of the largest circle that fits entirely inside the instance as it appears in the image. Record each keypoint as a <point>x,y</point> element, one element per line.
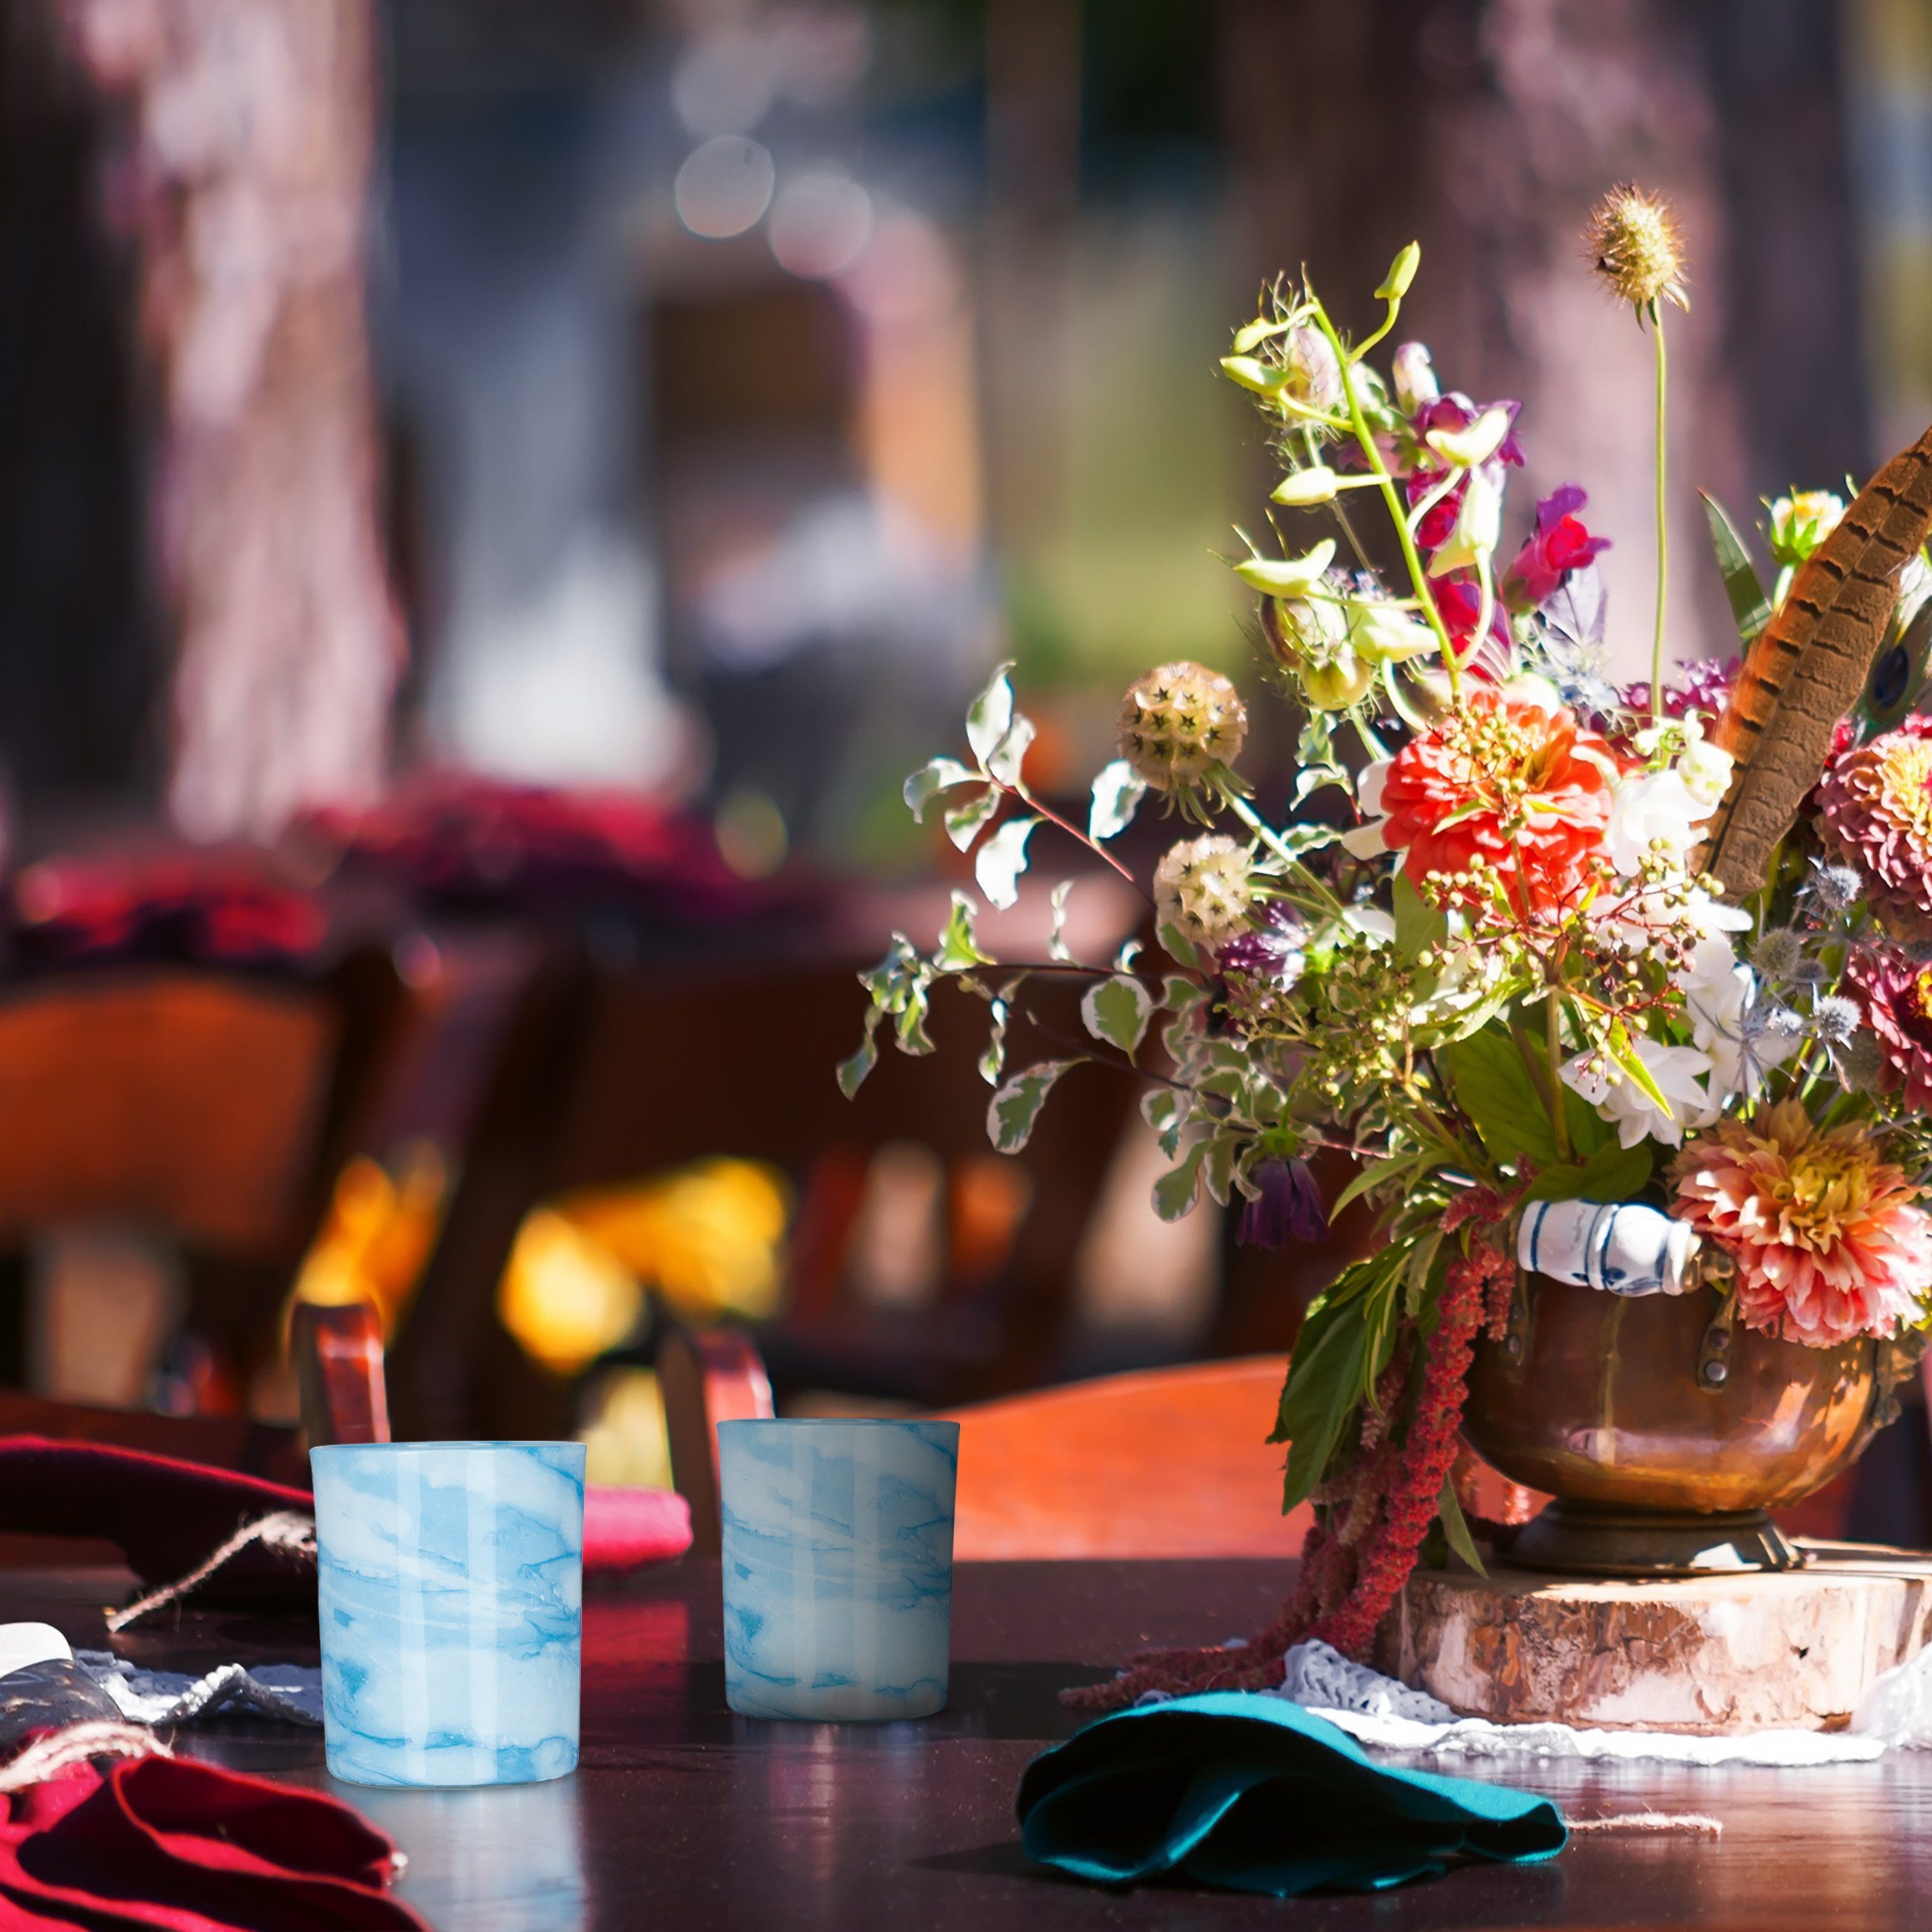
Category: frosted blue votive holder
<point>452,1609</point>
<point>837,1560</point>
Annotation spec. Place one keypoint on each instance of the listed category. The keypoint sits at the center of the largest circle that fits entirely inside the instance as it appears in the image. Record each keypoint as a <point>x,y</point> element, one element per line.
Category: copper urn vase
<point>1664,1428</point>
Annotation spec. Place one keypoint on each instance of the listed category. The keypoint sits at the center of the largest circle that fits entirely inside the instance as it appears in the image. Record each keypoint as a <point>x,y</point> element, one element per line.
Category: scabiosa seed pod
<point>1202,887</point>
<point>1634,240</point>
<point>1177,723</point>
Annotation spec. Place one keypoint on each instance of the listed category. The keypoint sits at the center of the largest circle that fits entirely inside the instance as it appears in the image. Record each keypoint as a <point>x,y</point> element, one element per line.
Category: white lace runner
<point>1895,1715</point>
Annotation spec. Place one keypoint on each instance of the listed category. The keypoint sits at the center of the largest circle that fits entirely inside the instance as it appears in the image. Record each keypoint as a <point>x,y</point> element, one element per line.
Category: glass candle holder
<point>837,1563</point>
<point>452,1599</point>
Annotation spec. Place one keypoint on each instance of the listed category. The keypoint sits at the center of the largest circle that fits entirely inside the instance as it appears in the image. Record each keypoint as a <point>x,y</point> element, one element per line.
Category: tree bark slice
<point>1707,1655</point>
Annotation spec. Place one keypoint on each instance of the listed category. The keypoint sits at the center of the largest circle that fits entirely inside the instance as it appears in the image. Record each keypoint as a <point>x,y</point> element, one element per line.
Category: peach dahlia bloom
<point>1827,1240</point>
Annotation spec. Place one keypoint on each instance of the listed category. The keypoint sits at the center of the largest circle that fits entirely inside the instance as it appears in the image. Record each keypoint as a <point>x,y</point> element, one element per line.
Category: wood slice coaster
<point>1710,1654</point>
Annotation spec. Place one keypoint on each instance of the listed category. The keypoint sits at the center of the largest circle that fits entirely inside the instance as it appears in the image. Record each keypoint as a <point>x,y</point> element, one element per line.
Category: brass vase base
<point>1587,1540</point>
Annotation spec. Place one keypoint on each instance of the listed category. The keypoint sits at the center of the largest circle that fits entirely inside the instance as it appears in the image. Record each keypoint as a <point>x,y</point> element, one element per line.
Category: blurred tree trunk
<point>80,668</point>
<point>1486,129</point>
<point>249,146</point>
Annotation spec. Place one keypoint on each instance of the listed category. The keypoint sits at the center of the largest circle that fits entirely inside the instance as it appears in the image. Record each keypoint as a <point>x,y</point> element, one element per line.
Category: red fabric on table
<point>167,1516</point>
<point>167,1843</point>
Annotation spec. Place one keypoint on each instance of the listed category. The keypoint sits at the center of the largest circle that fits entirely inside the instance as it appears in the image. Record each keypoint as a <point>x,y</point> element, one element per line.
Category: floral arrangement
<point>1518,935</point>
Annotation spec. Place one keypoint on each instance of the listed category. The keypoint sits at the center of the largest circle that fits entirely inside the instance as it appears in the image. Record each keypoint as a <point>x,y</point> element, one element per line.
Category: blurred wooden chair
<point>616,1069</point>
<point>211,1108</point>
<point>338,1351</point>
<point>1163,1463</point>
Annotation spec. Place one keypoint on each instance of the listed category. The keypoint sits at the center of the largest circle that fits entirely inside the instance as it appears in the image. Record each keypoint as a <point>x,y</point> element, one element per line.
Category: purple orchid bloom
<point>1289,1207</point>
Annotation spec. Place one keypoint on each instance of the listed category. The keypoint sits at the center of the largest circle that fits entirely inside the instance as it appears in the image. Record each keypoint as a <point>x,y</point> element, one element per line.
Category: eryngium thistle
<point>1636,244</point>
<point>1777,954</point>
<point>1202,887</point>
<point>1177,723</point>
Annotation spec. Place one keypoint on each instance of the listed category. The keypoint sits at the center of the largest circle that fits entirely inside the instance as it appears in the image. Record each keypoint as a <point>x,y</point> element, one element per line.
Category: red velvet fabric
<point>167,1516</point>
<point>168,1843</point>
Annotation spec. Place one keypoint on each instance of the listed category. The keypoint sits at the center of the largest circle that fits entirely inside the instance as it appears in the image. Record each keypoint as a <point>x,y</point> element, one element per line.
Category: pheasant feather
<point>1808,665</point>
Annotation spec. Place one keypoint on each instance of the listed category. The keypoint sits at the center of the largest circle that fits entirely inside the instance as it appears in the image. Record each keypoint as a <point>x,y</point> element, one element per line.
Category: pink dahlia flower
<point>1874,810</point>
<point>1896,996</point>
<point>1828,1242</point>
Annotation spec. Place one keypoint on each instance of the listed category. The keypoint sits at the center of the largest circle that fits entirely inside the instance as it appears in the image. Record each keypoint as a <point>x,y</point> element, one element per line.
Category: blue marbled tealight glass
<point>837,1560</point>
<point>452,1601</point>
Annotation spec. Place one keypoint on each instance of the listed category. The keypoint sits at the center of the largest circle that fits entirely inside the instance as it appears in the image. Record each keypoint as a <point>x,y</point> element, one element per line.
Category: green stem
<point>1341,515</point>
<point>1372,453</point>
<point>1252,820</point>
<point>1052,817</point>
<point>1559,1123</point>
<point>1663,536</point>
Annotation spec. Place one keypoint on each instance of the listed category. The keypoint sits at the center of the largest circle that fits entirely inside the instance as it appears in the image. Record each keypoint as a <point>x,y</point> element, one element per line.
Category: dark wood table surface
<point>681,1815</point>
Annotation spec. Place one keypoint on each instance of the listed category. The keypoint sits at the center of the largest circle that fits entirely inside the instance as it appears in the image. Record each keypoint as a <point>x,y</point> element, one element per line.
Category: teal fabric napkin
<point>1254,1794</point>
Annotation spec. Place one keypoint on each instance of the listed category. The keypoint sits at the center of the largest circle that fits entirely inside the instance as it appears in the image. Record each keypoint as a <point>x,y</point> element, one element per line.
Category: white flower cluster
<point>1740,1033</point>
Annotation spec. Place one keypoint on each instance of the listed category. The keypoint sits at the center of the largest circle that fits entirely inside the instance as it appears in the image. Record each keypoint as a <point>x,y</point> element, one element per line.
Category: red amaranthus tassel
<point>1343,1591</point>
<point>1427,1454</point>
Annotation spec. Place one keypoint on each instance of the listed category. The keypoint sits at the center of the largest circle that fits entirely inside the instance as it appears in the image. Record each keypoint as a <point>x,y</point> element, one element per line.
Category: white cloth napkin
<point>281,1693</point>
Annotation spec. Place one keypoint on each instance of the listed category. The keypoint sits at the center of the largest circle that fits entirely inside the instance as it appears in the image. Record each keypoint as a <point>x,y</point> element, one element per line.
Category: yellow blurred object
<point>565,1296</point>
<point>378,1234</point>
<point>709,1238</point>
<point>624,1431</point>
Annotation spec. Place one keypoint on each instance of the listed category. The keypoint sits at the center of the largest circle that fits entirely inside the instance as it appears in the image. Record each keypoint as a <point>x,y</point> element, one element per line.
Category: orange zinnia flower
<point>1504,783</point>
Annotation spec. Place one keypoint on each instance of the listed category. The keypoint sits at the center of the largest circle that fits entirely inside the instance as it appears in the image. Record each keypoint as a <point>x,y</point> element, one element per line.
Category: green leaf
<point>1117,1010</point>
<point>1422,1264</point>
<point>1319,1396</point>
<point>958,947</point>
<point>1377,1173</point>
<point>1624,1050</point>
<point>1007,757</point>
<point>999,862</point>
<point>1117,791</point>
<point>1181,994</point>
<point>963,822</point>
<point>852,1072</point>
<point>1417,923</point>
<point>1056,945</point>
<point>1342,1349</point>
<point>992,1062</point>
<point>1217,1165</point>
<point>1611,1173</point>
<point>1012,1112</point>
<point>1455,1526</point>
<point>1492,1086</point>
<point>1177,945</point>
<point>1313,778</point>
<point>1750,609</point>
<point>935,776</point>
<point>991,717</point>
<point>1176,1190</point>
<point>911,1024</point>
<point>1166,1112</point>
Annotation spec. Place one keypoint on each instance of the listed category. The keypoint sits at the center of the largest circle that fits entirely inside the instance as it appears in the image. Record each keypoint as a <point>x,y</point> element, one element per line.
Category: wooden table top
<point>681,1815</point>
